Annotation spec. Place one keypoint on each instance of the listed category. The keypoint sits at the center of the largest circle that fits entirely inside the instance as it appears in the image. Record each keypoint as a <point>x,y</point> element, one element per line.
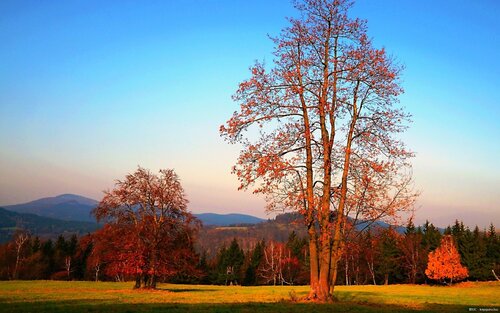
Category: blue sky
<point>91,89</point>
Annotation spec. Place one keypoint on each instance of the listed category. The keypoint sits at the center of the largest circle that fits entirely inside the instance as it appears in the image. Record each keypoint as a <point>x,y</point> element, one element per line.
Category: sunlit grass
<point>57,296</point>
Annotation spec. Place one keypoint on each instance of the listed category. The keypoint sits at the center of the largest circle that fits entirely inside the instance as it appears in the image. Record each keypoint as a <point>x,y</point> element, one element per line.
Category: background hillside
<point>71,214</point>
<point>44,227</point>
<point>68,207</point>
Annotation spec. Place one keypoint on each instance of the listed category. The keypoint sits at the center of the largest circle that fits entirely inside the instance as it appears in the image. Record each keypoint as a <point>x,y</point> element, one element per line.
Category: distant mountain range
<point>67,207</point>
<point>70,207</point>
<point>70,213</point>
<point>213,219</point>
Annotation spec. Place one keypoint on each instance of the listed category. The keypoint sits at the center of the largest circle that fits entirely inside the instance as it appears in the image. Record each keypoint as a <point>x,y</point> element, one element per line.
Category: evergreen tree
<point>431,236</point>
<point>230,262</point>
<point>389,255</point>
<point>492,244</point>
<point>255,256</point>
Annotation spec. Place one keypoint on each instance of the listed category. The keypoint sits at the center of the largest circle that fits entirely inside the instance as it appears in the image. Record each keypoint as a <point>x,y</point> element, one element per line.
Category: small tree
<point>444,262</point>
<point>148,231</point>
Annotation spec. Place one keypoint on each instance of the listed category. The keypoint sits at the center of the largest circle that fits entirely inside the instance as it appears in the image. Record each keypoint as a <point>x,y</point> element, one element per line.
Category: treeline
<point>375,256</point>
<point>386,256</point>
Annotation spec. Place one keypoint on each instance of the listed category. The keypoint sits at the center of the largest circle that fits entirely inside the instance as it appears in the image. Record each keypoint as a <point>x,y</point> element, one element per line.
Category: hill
<point>68,207</point>
<point>213,237</point>
<point>44,227</point>
<point>213,219</point>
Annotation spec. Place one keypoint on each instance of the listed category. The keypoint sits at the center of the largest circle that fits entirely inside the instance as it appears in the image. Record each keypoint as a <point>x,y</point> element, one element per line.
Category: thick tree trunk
<point>313,264</point>
<point>324,275</point>
<point>137,281</point>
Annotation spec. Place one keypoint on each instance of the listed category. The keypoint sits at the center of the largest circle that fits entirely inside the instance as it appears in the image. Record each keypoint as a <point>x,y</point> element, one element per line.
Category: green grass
<point>57,296</point>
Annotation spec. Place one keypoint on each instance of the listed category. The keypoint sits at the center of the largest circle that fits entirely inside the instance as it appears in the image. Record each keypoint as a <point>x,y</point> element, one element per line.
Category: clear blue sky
<point>91,89</point>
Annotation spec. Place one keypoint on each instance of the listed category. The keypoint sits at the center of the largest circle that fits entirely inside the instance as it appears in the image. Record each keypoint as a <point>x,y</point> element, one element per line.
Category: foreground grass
<point>57,296</point>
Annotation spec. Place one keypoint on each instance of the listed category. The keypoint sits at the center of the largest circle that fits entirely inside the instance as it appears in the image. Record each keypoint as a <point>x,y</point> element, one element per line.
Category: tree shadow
<point>95,306</point>
<point>185,289</point>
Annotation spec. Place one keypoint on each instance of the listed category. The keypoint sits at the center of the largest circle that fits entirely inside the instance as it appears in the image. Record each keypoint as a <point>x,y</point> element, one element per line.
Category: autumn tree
<point>412,253</point>
<point>319,131</point>
<point>444,262</point>
<point>149,231</point>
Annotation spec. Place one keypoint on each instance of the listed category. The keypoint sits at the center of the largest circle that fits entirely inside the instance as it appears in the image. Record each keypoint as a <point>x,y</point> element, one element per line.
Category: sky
<point>89,90</point>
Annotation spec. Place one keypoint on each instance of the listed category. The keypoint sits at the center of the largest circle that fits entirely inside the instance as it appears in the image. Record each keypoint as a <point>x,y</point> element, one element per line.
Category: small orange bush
<point>444,263</point>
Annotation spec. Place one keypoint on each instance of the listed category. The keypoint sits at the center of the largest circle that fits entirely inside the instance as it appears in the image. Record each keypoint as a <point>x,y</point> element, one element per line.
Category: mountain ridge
<point>72,207</point>
<point>67,207</point>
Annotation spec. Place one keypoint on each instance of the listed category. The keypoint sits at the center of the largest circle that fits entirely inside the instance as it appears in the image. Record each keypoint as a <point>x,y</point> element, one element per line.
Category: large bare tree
<point>319,131</point>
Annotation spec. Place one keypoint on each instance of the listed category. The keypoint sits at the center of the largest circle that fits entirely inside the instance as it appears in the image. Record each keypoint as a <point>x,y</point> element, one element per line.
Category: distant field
<point>56,296</point>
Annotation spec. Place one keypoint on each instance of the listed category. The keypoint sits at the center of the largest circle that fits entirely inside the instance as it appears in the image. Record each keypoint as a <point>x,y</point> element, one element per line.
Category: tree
<point>412,253</point>
<point>444,262</point>
<point>430,236</point>
<point>493,251</point>
<point>255,259</point>
<point>326,121</point>
<point>20,240</point>
<point>230,262</point>
<point>149,231</point>
<point>389,254</point>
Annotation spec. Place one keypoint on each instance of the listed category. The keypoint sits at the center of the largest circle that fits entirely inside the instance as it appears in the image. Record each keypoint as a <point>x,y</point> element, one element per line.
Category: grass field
<point>57,296</point>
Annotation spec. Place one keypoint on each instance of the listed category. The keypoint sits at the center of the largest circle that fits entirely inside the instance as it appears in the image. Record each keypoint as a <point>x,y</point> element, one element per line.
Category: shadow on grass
<point>184,289</point>
<point>289,307</point>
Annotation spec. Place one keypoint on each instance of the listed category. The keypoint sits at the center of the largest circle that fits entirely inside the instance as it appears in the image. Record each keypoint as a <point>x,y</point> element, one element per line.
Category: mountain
<point>213,219</point>
<point>66,207</point>
<point>44,227</point>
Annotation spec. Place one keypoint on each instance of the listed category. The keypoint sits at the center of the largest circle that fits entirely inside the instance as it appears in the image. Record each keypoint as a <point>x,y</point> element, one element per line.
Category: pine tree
<point>389,254</point>
<point>493,252</point>
<point>431,236</point>
<point>255,259</point>
<point>230,262</point>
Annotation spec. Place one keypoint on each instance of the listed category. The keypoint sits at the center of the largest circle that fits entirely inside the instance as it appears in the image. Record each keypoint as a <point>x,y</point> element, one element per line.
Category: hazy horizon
<point>90,90</point>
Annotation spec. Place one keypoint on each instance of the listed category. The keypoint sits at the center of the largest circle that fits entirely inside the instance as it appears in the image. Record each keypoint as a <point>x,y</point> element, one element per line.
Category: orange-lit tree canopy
<point>444,262</point>
<point>149,231</point>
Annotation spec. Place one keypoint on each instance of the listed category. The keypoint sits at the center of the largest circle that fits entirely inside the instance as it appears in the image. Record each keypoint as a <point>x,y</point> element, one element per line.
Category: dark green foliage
<point>255,258</point>
<point>431,236</point>
<point>477,251</point>
<point>492,244</point>
<point>389,255</point>
<point>229,264</point>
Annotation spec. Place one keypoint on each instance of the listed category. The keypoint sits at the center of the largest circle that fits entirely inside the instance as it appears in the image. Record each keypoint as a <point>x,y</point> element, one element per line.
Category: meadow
<point>59,296</point>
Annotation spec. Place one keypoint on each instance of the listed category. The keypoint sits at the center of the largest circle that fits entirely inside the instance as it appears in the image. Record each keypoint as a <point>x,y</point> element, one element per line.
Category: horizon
<point>91,90</point>
<point>403,223</point>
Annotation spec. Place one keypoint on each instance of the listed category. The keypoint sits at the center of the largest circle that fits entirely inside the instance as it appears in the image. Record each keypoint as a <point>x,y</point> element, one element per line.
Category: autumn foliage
<point>319,132</point>
<point>444,263</point>
<point>148,232</point>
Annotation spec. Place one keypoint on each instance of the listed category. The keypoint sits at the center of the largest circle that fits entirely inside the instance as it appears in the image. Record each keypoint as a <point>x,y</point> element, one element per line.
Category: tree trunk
<point>97,269</point>
<point>372,272</point>
<point>138,280</point>
<point>314,269</point>
<point>386,279</point>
